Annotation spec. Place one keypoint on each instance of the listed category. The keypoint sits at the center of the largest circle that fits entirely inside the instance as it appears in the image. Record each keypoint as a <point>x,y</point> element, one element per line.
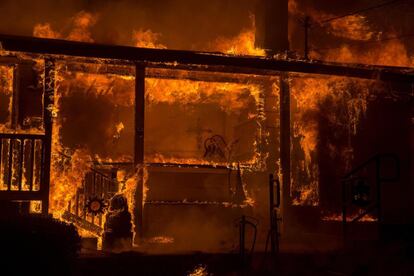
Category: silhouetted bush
<point>39,245</point>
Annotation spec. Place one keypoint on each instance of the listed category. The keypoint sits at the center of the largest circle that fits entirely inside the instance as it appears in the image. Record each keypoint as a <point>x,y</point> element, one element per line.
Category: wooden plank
<point>167,73</point>
<point>1,163</point>
<point>285,142</point>
<point>21,136</point>
<point>48,101</point>
<point>139,147</point>
<point>32,164</point>
<point>139,114</point>
<point>15,97</point>
<point>252,63</point>
<point>82,223</point>
<point>21,163</point>
<point>10,165</point>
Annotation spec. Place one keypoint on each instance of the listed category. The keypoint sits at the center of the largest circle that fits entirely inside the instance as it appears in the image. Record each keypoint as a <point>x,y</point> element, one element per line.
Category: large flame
<point>323,96</point>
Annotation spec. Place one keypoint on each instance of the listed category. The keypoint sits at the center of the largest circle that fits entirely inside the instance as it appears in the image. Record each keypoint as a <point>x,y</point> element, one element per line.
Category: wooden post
<point>14,115</point>
<point>285,142</point>
<point>139,148</point>
<point>48,102</point>
<point>306,26</point>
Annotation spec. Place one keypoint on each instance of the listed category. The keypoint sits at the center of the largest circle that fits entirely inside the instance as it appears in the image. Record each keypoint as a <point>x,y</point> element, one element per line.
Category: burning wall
<point>190,118</point>
<point>327,115</point>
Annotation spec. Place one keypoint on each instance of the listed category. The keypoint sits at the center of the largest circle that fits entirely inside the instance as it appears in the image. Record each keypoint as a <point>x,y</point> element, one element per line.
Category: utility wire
<point>361,11</point>
<point>368,42</point>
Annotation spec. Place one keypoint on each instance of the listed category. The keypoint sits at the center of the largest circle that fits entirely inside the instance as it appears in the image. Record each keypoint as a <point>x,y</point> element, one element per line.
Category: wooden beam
<point>166,73</point>
<point>21,195</point>
<point>285,142</point>
<point>48,102</point>
<point>238,64</point>
<point>139,113</point>
<point>139,149</point>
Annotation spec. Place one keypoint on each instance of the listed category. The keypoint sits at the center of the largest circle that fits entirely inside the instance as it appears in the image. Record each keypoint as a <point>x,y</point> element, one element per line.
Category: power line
<point>368,42</point>
<point>361,11</point>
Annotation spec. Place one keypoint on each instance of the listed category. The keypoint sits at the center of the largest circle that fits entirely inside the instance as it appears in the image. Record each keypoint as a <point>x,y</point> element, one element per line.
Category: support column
<point>139,148</point>
<point>48,102</point>
<point>285,142</point>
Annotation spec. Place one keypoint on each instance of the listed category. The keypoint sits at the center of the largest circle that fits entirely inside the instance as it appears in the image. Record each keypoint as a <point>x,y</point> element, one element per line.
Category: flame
<point>363,44</point>
<point>199,270</point>
<point>226,95</point>
<point>338,217</point>
<point>354,27</point>
<point>45,30</point>
<point>387,53</point>
<point>66,178</point>
<point>147,39</point>
<point>69,166</point>
<point>161,239</point>
<point>241,44</point>
<point>323,95</point>
<point>80,28</point>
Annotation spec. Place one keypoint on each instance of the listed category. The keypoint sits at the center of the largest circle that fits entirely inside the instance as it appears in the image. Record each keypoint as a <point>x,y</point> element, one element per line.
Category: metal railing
<point>244,221</point>
<point>273,234</point>
<point>96,185</point>
<point>350,178</point>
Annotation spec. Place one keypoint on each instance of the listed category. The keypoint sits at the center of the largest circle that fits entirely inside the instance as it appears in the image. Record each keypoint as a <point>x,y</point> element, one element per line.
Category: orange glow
<point>338,217</point>
<point>310,97</point>
<point>353,27</point>
<point>147,39</point>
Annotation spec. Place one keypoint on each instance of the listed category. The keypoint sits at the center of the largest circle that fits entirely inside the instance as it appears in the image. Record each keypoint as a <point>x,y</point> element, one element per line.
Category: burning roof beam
<point>222,62</point>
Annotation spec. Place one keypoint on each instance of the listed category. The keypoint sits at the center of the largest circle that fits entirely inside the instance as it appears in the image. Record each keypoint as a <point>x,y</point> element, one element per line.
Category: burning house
<point>194,140</point>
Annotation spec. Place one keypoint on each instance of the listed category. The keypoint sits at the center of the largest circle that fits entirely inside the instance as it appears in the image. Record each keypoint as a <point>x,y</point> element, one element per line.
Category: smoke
<point>183,24</point>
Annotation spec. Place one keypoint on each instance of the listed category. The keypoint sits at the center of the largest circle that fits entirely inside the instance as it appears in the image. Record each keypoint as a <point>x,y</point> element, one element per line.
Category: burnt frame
<point>53,50</point>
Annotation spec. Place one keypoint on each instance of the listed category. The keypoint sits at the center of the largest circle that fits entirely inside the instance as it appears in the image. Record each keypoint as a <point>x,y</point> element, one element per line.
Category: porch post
<point>285,142</point>
<point>139,147</point>
<point>48,102</point>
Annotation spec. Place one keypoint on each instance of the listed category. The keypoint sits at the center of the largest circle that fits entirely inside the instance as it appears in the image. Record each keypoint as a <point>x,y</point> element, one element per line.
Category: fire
<point>200,270</point>
<point>388,53</point>
<point>6,92</point>
<point>241,44</point>
<point>80,24</point>
<point>161,239</point>
<point>362,44</point>
<point>70,165</point>
<point>312,97</point>
<point>338,217</point>
<point>66,177</point>
<point>226,95</point>
<point>147,39</point>
<point>353,27</point>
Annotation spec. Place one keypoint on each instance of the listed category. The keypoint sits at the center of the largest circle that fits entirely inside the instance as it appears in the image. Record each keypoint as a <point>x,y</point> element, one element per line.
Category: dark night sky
<point>185,24</point>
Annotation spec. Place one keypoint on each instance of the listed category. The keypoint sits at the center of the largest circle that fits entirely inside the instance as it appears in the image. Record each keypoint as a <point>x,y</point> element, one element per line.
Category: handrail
<point>377,157</point>
<point>22,136</point>
<point>243,221</point>
<point>90,168</point>
<point>379,179</point>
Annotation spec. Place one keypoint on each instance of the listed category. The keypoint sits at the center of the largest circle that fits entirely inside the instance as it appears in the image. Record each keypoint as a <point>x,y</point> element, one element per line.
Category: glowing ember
<point>161,239</point>
<point>338,217</point>
<point>200,270</point>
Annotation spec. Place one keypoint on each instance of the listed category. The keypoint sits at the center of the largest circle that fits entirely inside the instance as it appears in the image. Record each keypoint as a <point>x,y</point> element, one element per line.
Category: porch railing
<point>22,163</point>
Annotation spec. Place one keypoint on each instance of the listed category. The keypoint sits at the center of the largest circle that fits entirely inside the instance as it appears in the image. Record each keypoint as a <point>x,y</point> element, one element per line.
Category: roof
<point>210,61</point>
